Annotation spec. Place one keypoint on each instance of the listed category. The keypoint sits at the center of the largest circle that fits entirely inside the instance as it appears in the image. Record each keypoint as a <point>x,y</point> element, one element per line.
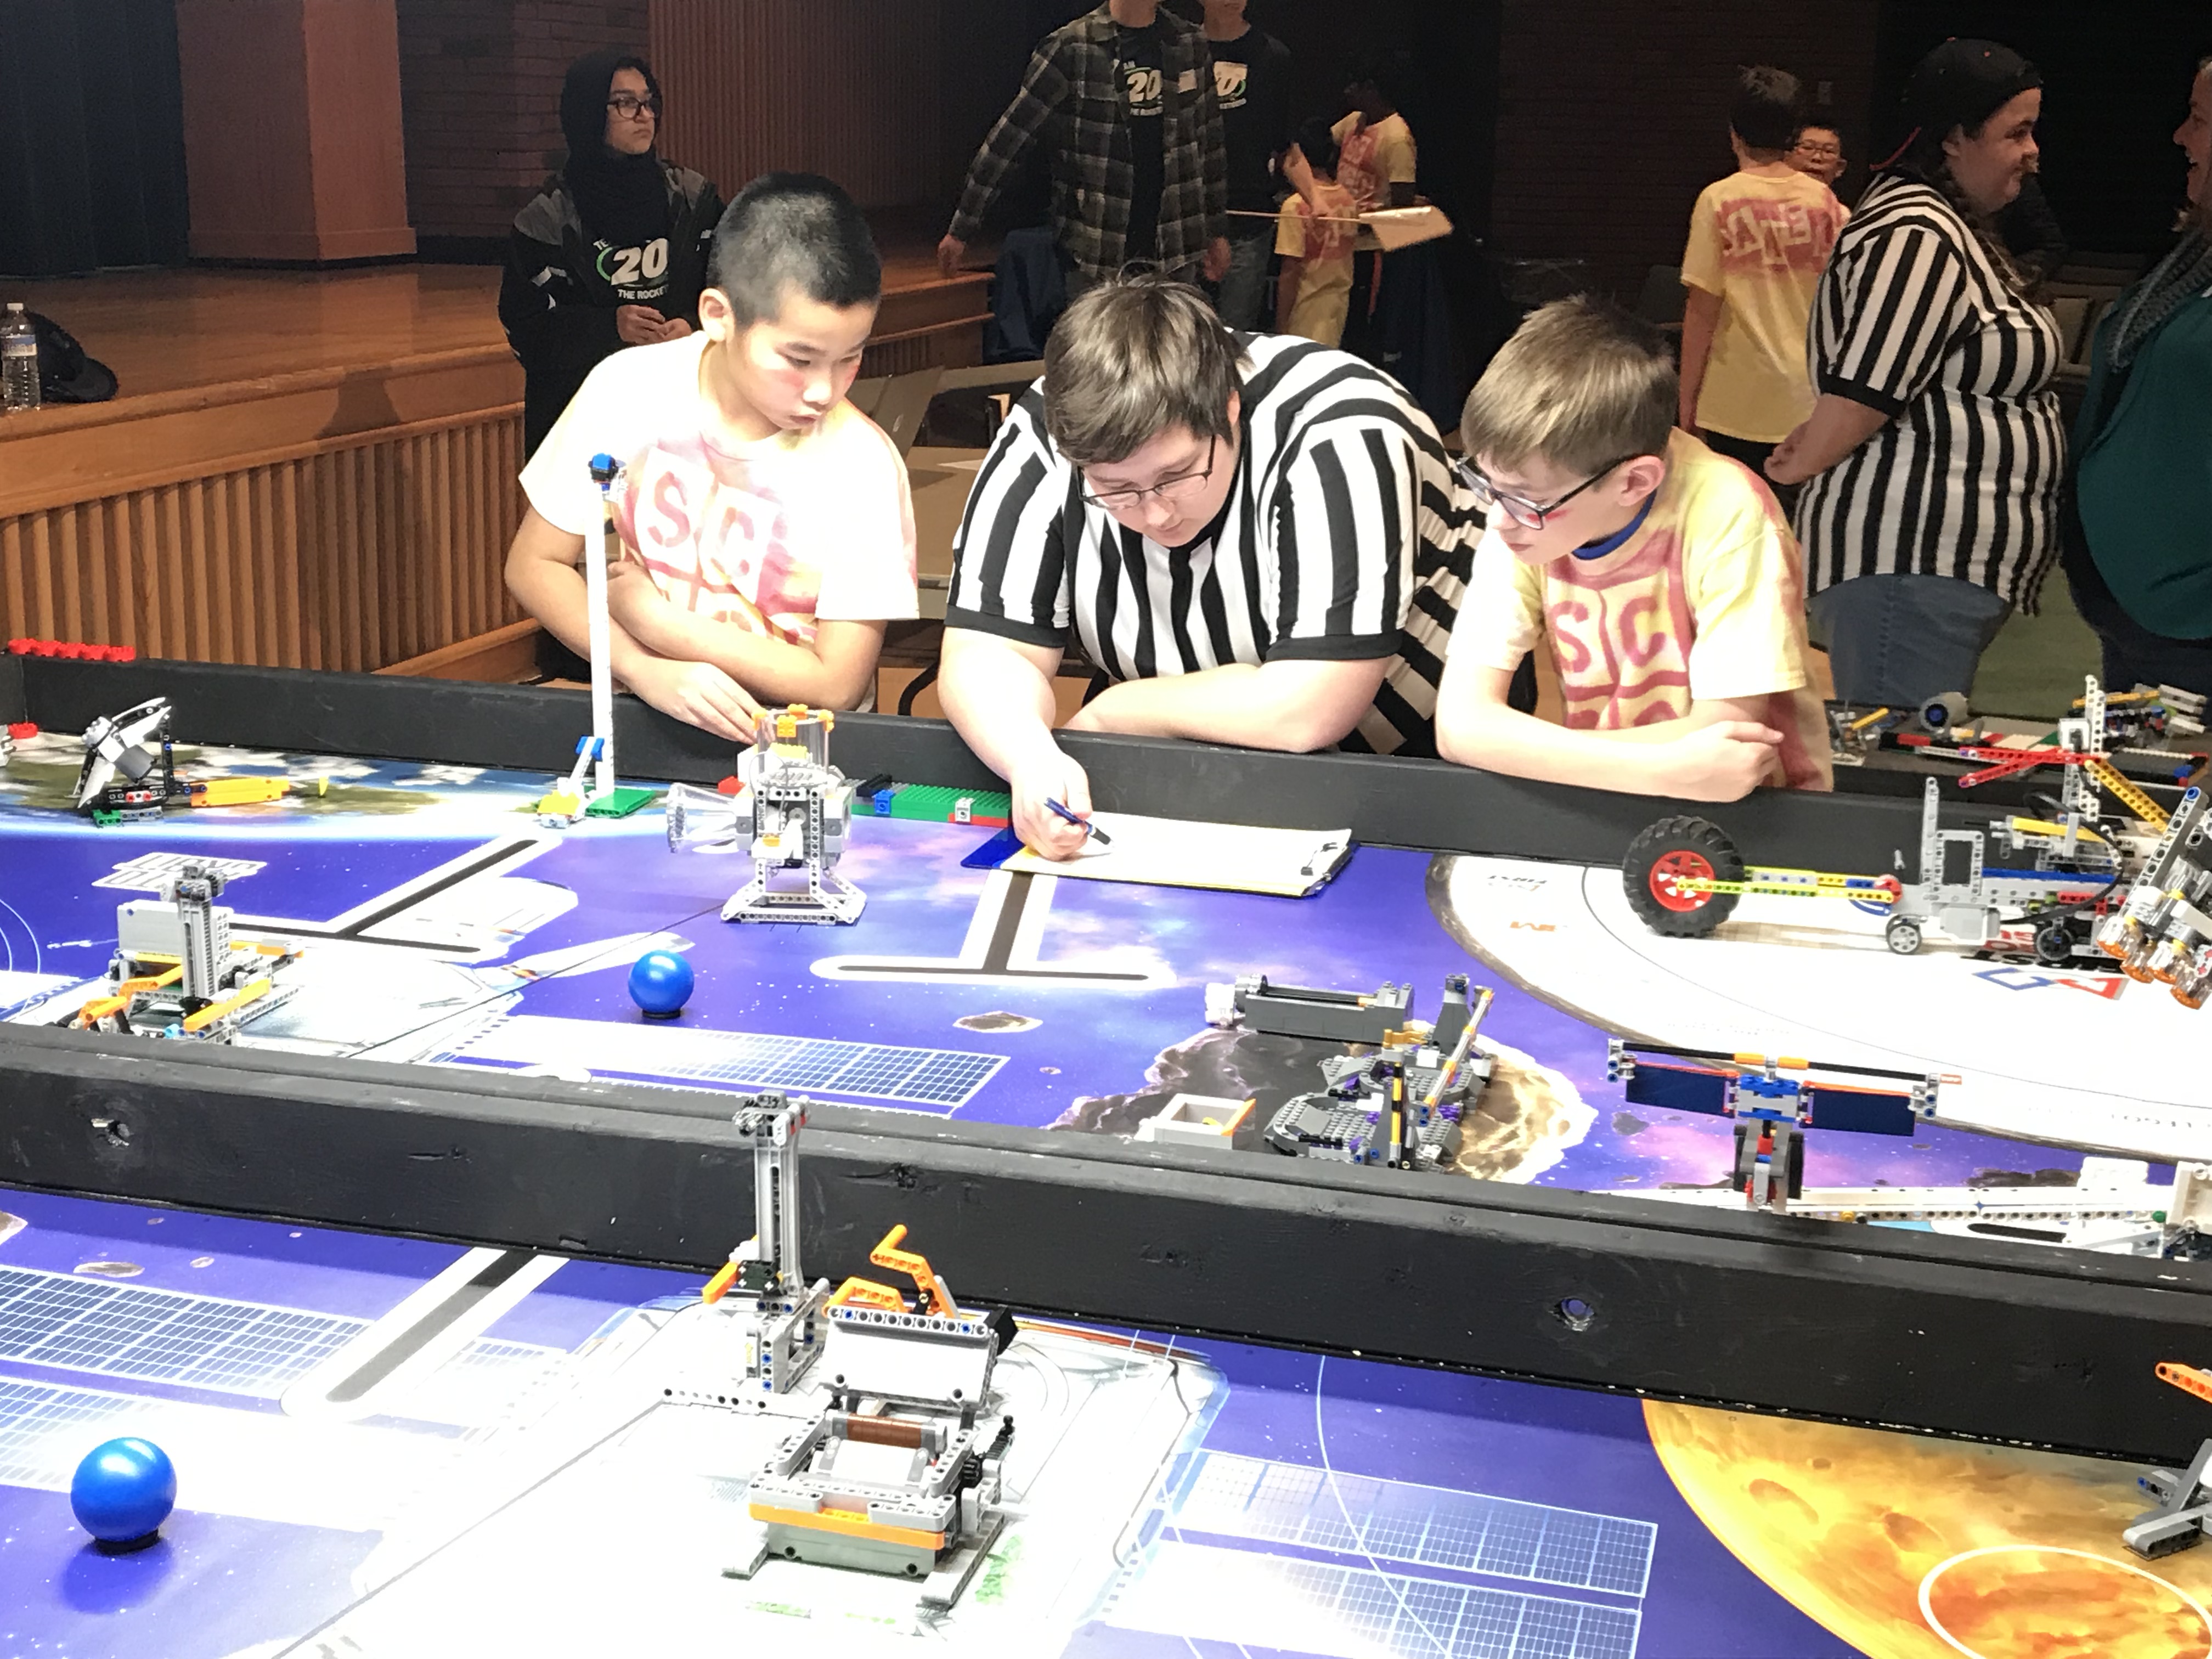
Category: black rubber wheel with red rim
<point>1670,852</point>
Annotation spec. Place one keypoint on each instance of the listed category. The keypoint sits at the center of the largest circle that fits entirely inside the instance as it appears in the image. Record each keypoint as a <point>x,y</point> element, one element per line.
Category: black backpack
<point>66,374</point>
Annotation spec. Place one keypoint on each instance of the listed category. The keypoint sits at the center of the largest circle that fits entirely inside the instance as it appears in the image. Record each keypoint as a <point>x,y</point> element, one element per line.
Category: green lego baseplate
<point>622,803</point>
<point>936,804</point>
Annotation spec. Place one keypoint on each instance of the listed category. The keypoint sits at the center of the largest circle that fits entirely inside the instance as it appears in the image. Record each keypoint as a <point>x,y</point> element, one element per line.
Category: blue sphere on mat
<point>660,983</point>
<point>124,1490</point>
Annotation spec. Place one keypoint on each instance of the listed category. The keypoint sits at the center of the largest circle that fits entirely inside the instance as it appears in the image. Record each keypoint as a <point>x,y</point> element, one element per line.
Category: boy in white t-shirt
<point>768,533</point>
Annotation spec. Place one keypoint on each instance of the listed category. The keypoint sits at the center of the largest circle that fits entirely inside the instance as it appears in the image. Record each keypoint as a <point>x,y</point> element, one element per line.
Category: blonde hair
<point>1581,384</point>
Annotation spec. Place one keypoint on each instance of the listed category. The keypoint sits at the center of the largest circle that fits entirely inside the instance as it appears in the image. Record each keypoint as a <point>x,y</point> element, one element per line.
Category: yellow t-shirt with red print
<point>774,535</point>
<point>1703,600</point>
<point>1760,244</point>
<point>1370,159</point>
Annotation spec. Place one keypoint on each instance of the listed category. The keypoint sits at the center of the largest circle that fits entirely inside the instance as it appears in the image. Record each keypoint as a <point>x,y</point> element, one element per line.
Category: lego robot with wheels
<point>2017,886</point>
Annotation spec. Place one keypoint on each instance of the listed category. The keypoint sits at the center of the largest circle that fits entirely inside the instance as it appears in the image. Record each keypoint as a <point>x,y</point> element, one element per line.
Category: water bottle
<point>19,360</point>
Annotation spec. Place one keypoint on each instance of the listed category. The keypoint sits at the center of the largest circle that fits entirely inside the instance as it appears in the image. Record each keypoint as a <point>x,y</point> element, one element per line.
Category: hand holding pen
<point>1085,824</point>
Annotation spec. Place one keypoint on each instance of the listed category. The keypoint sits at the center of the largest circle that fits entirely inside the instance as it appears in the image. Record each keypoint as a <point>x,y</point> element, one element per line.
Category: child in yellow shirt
<point>1660,577</point>
<point>1314,233</point>
<point>1758,240</point>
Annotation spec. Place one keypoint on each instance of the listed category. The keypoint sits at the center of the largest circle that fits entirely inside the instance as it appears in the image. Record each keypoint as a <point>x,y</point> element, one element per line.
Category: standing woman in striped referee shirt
<point>1933,458</point>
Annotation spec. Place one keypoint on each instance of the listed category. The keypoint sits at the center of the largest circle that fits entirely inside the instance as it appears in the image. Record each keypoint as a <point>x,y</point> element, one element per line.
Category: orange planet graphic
<point>1910,1548</point>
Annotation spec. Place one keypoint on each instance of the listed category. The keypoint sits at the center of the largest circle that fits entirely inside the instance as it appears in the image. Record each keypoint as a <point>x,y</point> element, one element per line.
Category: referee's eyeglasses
<point>1181,488</point>
<point>1529,516</point>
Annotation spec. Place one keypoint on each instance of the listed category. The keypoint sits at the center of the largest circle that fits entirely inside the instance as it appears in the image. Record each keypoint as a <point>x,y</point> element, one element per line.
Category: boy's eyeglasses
<point>1181,488</point>
<point>1824,152</point>
<point>1529,516</point>
<point>628,105</point>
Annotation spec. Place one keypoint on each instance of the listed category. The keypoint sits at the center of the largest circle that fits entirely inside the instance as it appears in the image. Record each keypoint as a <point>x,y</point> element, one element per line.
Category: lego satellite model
<point>128,776</point>
<point>1771,1110</point>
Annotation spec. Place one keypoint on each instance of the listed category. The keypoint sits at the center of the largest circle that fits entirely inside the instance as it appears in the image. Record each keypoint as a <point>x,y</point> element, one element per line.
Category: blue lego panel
<point>1864,1110</point>
<point>1679,1088</point>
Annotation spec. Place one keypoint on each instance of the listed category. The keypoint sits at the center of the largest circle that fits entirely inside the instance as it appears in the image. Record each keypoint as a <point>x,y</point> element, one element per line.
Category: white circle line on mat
<point>1928,1584</point>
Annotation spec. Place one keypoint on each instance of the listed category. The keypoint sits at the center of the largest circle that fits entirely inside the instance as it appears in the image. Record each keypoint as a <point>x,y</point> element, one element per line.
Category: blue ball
<point>124,1490</point>
<point>660,983</point>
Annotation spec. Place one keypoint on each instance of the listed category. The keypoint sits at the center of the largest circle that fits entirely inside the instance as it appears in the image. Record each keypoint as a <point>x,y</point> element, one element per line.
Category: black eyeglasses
<point>628,105</point>
<point>1181,488</point>
<point>1529,516</point>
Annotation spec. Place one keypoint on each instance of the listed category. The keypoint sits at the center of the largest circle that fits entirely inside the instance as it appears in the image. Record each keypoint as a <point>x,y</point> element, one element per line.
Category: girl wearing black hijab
<point>613,250</point>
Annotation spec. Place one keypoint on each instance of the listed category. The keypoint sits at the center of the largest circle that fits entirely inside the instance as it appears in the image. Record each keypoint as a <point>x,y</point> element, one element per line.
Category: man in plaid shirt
<point>1124,96</point>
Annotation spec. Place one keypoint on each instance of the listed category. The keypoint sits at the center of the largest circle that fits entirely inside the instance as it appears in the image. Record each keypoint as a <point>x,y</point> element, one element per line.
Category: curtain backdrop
<point>91,148</point>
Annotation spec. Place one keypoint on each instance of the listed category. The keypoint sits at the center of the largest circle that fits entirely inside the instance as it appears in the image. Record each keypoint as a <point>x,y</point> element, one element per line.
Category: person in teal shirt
<point>2139,542</point>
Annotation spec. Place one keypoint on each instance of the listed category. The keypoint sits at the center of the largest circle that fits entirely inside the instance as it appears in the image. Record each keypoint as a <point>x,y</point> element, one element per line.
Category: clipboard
<point>1227,858</point>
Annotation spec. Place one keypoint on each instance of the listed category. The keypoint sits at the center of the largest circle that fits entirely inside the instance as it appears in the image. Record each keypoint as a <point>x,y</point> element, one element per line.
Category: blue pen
<point>1084,824</point>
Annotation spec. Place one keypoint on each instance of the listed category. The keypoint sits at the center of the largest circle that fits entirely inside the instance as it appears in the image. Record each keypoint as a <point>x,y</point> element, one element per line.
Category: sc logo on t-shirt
<point>635,273</point>
<point>1230,82</point>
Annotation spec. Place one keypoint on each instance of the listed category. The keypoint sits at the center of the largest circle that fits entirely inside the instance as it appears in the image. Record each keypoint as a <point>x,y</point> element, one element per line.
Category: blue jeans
<point>1904,640</point>
<point>1243,293</point>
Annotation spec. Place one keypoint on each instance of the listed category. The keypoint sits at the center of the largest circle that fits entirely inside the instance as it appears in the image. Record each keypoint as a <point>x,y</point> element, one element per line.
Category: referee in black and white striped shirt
<point>1259,540</point>
<point>1933,456</point>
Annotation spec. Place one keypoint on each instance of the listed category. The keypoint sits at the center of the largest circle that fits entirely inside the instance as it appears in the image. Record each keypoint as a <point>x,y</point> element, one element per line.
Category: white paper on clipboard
<point>1229,857</point>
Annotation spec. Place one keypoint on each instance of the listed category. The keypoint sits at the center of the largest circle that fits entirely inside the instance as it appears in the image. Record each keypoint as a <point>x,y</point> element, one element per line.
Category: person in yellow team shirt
<point>1317,233</point>
<point>1662,579</point>
<point>1759,240</point>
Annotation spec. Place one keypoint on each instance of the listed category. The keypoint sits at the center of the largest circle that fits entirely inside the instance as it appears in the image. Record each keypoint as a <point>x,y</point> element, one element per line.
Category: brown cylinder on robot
<point>882,1431</point>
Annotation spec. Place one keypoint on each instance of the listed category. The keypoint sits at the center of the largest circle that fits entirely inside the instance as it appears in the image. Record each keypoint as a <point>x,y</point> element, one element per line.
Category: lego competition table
<point>522,1486</point>
<point>542,1469</point>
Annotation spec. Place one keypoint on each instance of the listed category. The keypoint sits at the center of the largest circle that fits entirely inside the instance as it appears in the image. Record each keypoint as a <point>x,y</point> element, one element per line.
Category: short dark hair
<point>1767,113</point>
<point>1317,142</point>
<point>1132,359</point>
<point>787,230</point>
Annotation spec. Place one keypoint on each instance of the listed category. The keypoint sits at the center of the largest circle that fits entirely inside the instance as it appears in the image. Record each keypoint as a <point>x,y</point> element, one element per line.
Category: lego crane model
<point>895,1464</point>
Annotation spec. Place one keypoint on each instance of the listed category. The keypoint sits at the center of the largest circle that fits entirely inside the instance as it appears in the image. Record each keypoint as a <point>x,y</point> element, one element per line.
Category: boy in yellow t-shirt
<point>1758,240</point>
<point>1377,159</point>
<point>1316,233</point>
<point>1661,577</point>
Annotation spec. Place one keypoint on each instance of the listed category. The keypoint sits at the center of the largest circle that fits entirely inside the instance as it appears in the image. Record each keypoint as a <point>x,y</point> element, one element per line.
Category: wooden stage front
<point>308,468</point>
